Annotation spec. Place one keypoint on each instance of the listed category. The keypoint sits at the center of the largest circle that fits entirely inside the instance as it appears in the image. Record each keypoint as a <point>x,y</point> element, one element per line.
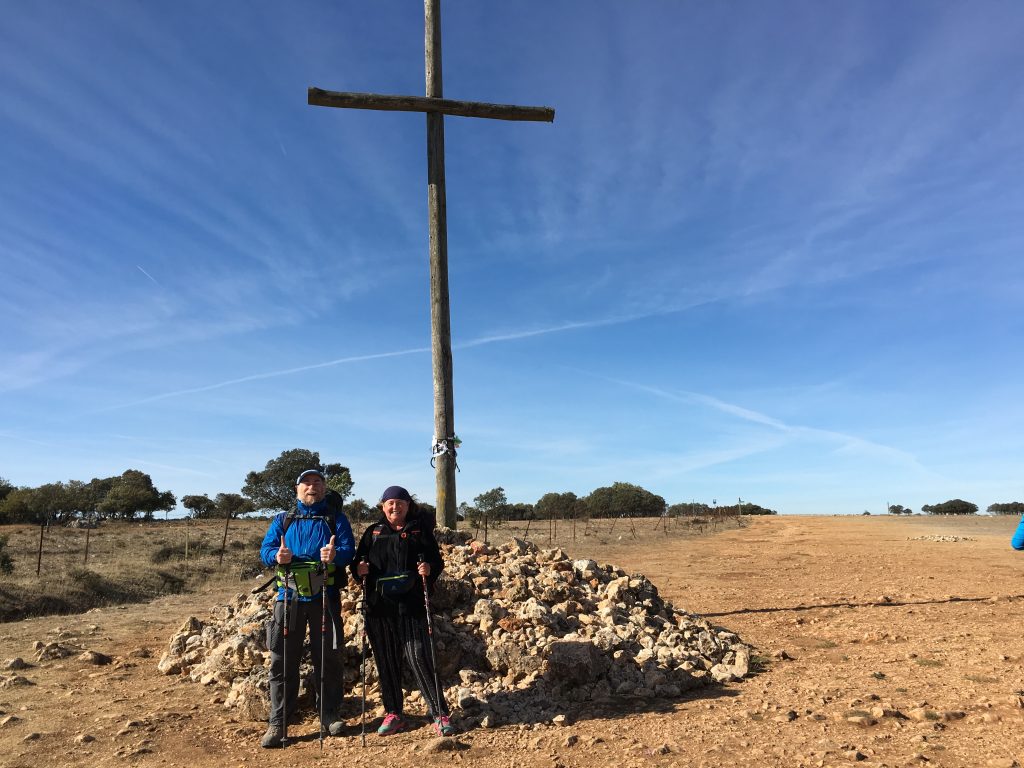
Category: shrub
<point>6,563</point>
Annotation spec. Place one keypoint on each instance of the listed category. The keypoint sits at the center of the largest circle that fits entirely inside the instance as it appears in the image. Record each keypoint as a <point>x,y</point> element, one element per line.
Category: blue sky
<point>769,251</point>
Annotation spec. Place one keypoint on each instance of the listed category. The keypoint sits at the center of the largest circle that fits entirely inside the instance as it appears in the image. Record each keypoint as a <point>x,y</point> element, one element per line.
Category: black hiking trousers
<point>392,639</point>
<point>300,616</point>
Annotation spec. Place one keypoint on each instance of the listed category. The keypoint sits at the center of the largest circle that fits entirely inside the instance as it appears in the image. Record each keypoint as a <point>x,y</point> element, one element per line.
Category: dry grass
<point>135,562</point>
<point>122,562</point>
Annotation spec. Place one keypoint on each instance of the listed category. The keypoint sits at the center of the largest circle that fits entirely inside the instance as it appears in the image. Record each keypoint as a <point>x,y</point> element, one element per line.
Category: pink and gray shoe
<point>443,726</point>
<point>393,723</point>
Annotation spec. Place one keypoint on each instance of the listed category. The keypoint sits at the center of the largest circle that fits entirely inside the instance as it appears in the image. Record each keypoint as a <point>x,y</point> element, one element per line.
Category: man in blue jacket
<point>310,547</point>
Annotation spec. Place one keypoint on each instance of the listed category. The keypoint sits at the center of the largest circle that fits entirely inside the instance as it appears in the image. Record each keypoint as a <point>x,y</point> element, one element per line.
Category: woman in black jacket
<point>391,560</point>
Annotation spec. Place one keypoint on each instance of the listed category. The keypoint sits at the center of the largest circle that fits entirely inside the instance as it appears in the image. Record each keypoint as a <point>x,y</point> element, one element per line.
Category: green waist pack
<point>308,579</point>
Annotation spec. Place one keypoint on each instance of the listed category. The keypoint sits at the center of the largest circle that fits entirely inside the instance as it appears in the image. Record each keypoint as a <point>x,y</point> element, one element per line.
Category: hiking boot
<point>336,724</point>
<point>443,726</point>
<point>393,723</point>
<point>273,738</point>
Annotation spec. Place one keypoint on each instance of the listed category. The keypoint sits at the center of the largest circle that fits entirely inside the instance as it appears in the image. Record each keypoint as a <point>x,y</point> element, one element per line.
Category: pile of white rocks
<point>940,537</point>
<point>521,634</point>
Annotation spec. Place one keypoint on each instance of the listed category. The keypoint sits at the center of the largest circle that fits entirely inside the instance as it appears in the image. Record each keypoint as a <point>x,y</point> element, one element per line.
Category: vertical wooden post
<point>39,558</point>
<point>85,560</point>
<point>224,541</point>
<point>440,316</point>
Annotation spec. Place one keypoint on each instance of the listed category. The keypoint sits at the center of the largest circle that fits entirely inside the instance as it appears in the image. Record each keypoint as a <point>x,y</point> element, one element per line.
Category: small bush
<point>6,562</point>
<point>166,552</point>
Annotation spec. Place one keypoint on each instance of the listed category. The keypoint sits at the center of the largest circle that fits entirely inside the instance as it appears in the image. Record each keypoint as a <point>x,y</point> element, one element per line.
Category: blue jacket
<point>1017,542</point>
<point>306,534</point>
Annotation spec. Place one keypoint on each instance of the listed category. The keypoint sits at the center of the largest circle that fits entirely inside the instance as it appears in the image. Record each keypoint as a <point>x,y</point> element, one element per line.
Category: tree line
<point>127,496</point>
<point>961,507</point>
<point>615,500</point>
<point>132,496</point>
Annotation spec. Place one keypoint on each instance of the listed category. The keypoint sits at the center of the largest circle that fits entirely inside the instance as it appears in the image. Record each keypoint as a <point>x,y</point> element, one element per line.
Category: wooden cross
<point>436,107</point>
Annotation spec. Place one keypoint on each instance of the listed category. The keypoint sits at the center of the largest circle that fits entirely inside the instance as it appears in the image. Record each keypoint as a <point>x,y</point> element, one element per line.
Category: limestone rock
<point>14,681</point>
<point>94,657</point>
<point>50,651</point>
<point>573,662</point>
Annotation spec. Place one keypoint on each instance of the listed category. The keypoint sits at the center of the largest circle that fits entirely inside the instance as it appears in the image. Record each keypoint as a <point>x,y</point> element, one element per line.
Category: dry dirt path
<point>884,647</point>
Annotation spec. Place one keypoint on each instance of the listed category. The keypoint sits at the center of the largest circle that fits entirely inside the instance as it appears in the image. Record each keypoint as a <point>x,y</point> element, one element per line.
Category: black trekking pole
<point>362,666</point>
<point>323,642</point>
<point>284,658</point>
<point>430,636</point>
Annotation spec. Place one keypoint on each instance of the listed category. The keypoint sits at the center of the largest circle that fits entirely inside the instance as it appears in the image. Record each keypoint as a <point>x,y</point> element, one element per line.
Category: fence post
<point>224,541</point>
<point>39,558</point>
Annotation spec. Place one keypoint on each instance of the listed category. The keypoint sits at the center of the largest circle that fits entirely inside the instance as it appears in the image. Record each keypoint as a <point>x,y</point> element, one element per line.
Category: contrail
<point>147,275</point>
<point>266,375</point>
<point>481,341</point>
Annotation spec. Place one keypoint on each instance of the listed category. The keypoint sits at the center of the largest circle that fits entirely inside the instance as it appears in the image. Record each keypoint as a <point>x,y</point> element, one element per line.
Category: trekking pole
<point>430,637</point>
<point>284,658</point>
<point>362,666</point>
<point>323,643</point>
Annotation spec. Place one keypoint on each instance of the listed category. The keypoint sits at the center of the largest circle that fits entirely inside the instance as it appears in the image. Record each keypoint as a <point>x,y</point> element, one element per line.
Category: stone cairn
<point>522,635</point>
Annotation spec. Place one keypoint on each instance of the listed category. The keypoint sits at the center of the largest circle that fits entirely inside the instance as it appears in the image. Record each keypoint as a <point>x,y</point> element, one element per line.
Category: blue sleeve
<point>344,544</point>
<point>272,541</point>
<point>1017,542</point>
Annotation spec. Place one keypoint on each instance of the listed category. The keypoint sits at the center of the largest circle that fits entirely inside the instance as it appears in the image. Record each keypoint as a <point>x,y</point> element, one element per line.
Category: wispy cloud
<point>844,442</point>
<point>137,462</point>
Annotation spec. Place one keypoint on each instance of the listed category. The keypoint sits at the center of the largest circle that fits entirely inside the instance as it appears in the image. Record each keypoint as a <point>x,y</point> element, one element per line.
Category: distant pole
<point>39,558</point>
<point>85,560</point>
<point>224,541</point>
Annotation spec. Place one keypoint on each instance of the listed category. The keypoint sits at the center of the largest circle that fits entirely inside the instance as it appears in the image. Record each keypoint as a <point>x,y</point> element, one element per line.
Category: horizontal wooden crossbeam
<point>321,98</point>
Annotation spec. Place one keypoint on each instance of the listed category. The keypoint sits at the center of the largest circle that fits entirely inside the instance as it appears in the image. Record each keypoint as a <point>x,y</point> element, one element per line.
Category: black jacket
<point>391,552</point>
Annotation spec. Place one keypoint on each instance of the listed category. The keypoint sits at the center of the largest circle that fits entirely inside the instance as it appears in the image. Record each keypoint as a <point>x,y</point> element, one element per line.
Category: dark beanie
<point>395,492</point>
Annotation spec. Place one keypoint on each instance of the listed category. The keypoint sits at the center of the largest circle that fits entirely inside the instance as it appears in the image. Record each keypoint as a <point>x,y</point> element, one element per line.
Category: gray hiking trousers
<point>300,616</point>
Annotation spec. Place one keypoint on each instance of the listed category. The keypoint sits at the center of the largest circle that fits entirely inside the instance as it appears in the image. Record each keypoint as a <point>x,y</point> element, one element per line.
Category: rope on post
<point>441,446</point>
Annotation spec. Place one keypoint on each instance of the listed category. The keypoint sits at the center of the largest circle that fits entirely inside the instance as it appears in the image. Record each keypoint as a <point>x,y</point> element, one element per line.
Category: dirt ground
<point>884,642</point>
